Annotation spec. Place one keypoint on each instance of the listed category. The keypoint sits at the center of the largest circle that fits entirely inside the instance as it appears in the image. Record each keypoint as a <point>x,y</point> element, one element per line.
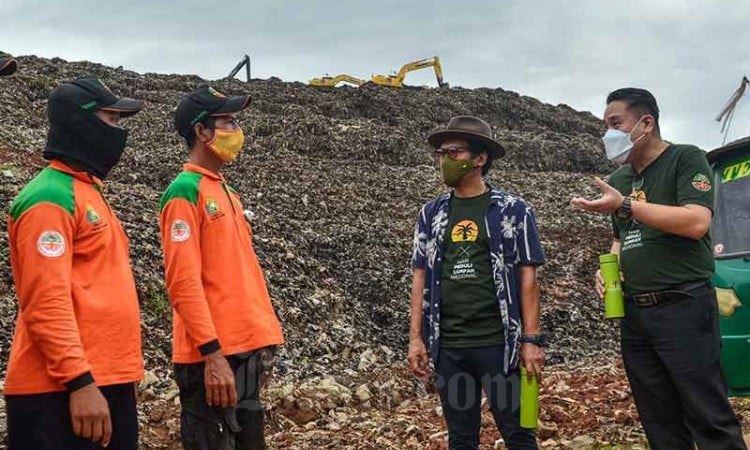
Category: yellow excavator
<point>398,79</point>
<point>333,81</point>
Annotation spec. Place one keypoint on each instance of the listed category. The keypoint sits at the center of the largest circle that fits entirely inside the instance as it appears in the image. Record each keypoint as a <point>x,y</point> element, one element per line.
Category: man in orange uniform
<point>224,325</point>
<point>76,352</point>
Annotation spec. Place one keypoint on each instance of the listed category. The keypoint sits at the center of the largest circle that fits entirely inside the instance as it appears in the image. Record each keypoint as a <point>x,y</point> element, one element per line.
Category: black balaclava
<point>78,135</point>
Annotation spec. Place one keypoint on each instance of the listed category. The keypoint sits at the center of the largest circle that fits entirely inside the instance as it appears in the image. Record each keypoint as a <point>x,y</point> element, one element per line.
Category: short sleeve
<point>694,183</point>
<point>419,250</point>
<point>528,242</point>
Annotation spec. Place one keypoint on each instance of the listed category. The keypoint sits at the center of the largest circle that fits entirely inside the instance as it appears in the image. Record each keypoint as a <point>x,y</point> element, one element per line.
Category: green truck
<point>730,234</point>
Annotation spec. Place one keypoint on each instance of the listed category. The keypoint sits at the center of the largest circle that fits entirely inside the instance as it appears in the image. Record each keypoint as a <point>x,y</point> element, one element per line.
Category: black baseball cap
<point>204,102</point>
<point>91,94</point>
<point>8,64</point>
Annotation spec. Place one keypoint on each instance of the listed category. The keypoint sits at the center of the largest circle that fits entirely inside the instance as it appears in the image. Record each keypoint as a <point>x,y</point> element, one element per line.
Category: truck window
<point>730,230</point>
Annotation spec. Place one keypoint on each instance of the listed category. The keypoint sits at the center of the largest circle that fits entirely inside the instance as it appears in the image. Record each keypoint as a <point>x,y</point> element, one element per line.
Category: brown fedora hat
<point>471,129</point>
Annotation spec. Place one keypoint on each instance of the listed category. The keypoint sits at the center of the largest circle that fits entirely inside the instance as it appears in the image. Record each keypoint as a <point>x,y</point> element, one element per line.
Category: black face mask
<point>81,137</point>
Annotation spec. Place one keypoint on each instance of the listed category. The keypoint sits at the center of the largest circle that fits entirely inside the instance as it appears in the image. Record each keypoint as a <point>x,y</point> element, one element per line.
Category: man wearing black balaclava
<point>76,352</point>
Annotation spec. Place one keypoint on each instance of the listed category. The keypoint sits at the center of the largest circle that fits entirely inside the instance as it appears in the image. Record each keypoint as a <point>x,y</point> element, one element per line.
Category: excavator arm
<point>398,79</point>
<point>333,81</point>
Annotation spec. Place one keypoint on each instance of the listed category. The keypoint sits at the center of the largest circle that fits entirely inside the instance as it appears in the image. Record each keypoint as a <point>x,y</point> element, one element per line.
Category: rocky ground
<point>335,178</point>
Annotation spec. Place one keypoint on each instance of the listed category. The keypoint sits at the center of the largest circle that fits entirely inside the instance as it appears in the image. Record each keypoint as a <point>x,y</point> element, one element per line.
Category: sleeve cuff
<point>79,382</point>
<point>209,347</point>
<point>532,262</point>
<point>699,202</point>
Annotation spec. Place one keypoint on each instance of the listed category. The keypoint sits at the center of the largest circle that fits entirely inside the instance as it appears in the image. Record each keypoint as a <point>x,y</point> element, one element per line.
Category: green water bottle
<point>529,400</point>
<point>614,302</point>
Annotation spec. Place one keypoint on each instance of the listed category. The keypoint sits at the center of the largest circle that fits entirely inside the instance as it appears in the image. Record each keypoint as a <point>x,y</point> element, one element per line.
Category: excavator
<point>333,81</point>
<point>398,79</point>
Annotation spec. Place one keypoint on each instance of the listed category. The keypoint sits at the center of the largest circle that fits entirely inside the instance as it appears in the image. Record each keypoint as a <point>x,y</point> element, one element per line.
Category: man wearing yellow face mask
<point>225,329</point>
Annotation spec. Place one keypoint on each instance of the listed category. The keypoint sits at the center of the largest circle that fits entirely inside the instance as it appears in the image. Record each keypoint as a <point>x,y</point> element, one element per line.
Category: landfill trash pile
<point>335,179</point>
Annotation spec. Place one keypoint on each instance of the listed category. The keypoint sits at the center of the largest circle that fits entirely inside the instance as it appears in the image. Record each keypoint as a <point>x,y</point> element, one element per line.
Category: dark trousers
<point>42,421</point>
<point>209,428</point>
<point>460,376</point>
<point>671,356</point>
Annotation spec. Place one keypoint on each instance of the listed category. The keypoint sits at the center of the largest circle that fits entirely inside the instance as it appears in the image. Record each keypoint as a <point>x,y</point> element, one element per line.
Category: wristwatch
<point>624,212</point>
<point>540,340</point>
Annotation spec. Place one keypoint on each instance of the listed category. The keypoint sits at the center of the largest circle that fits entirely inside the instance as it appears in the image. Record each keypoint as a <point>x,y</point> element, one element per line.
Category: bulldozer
<point>334,81</point>
<point>397,80</point>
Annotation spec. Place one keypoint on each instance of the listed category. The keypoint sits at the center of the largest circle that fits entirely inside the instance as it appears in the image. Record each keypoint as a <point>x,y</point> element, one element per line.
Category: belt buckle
<point>649,299</point>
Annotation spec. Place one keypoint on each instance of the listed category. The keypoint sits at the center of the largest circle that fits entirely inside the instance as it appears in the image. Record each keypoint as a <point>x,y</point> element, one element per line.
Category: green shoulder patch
<point>184,186</point>
<point>701,182</point>
<point>50,186</point>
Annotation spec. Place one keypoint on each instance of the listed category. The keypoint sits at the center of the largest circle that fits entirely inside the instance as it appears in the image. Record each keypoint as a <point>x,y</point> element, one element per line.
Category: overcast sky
<point>691,54</point>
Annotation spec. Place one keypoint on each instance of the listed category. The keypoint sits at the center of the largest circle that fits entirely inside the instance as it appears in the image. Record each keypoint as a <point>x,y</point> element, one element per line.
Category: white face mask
<point>618,144</point>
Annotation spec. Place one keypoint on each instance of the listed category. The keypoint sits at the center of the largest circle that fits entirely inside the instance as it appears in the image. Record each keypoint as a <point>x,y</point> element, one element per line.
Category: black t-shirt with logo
<point>652,260</point>
<point>470,316</point>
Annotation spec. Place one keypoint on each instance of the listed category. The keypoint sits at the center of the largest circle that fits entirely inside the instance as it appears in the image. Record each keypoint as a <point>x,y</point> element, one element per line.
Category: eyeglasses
<point>450,151</point>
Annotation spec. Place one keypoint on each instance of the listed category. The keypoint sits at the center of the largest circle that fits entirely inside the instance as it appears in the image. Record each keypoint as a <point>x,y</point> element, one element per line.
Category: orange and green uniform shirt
<point>78,320</point>
<point>215,283</point>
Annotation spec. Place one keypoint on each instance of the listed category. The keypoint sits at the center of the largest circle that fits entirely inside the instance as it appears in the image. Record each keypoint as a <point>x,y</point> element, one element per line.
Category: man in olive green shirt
<point>661,202</point>
<point>655,259</point>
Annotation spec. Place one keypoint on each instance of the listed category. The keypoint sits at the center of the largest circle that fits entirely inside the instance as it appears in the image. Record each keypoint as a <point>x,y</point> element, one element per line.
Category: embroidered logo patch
<point>701,182</point>
<point>212,206</point>
<point>180,231</point>
<point>51,244</point>
<point>91,215</point>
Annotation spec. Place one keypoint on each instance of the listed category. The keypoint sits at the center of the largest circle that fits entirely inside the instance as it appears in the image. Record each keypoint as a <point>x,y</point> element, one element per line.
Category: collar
<point>488,190</point>
<point>60,166</point>
<point>634,173</point>
<point>191,167</point>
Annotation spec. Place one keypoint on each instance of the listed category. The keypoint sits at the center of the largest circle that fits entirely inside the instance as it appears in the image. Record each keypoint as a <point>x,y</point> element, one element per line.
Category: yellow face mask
<point>226,144</point>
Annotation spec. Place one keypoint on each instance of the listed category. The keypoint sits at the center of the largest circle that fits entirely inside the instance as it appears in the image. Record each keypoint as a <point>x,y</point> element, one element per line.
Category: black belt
<point>674,293</point>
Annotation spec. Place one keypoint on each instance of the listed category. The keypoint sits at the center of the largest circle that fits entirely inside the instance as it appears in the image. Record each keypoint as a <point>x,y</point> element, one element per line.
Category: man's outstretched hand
<point>608,203</point>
